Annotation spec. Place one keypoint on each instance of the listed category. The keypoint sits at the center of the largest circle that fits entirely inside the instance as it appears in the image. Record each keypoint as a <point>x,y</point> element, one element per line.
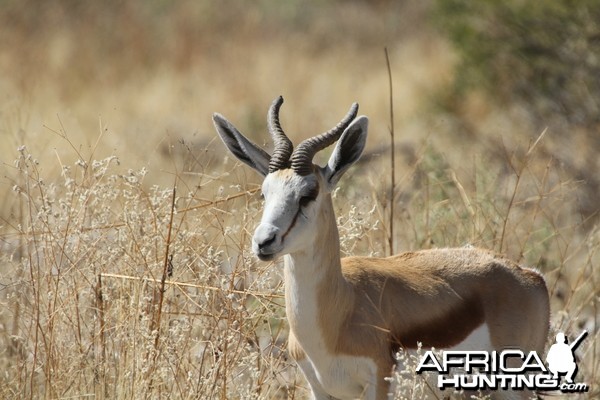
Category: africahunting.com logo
<point>510,369</point>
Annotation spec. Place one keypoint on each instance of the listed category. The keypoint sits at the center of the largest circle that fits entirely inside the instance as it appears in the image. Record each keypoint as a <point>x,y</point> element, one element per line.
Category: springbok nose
<point>264,236</point>
<point>266,242</point>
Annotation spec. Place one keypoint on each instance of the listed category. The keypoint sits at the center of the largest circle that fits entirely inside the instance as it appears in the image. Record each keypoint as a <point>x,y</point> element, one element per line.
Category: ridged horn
<point>283,147</point>
<point>306,150</point>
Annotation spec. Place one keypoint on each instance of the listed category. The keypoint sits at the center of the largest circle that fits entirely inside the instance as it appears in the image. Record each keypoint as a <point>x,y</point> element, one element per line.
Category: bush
<point>542,54</point>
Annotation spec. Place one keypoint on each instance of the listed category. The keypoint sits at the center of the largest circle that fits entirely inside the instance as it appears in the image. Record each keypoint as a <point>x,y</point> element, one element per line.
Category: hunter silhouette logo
<point>509,369</point>
<point>561,356</point>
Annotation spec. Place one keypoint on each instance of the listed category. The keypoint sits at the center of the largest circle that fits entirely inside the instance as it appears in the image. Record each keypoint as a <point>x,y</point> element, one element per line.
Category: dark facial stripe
<point>291,225</point>
<point>312,194</point>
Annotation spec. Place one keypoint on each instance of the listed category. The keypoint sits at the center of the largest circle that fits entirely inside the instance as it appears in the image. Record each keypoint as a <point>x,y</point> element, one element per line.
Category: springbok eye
<point>311,195</point>
<point>305,200</point>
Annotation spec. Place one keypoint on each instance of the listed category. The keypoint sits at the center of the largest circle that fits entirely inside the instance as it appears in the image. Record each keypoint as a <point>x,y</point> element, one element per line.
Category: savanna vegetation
<point>125,227</point>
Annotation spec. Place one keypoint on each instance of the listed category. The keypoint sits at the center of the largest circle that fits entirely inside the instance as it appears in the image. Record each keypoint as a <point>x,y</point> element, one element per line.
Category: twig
<point>393,153</point>
<point>165,271</point>
<point>519,173</point>
<point>100,373</point>
<point>193,285</point>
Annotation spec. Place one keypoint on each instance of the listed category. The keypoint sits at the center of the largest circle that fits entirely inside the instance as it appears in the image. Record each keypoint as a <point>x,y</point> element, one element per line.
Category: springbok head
<point>294,188</point>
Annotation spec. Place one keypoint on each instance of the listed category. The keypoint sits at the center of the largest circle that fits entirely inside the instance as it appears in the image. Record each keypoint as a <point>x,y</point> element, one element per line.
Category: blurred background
<point>146,76</point>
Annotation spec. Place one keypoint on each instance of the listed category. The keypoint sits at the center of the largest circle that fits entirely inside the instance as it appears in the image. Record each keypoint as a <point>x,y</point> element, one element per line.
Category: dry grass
<point>125,268</point>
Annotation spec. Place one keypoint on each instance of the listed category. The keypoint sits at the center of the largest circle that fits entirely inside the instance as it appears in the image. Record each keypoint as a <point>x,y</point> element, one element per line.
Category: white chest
<point>342,376</point>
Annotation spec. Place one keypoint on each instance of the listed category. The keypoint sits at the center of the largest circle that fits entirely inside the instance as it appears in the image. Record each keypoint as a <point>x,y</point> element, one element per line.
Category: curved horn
<point>282,145</point>
<point>304,153</point>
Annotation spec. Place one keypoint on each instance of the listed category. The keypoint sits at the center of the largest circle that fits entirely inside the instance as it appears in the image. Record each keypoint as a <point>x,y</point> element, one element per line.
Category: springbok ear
<point>245,151</point>
<point>347,150</point>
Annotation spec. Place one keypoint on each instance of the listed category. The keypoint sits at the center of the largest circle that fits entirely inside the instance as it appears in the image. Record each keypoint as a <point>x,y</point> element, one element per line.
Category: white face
<point>291,205</point>
<point>293,202</point>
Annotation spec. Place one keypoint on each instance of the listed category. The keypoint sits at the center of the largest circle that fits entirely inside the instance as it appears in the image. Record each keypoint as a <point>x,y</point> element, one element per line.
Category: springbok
<point>349,316</point>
